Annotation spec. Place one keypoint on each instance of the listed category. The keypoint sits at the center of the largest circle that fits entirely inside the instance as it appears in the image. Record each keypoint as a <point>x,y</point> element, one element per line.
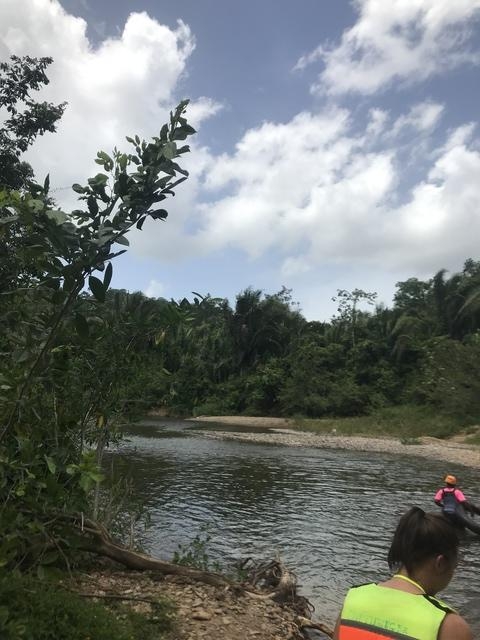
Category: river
<point>328,513</point>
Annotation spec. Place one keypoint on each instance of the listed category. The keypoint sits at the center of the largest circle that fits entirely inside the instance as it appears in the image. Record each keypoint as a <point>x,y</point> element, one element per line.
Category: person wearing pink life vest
<point>453,501</point>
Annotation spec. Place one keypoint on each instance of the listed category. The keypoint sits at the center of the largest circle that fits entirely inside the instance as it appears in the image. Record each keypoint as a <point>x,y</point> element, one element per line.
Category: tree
<point>348,302</point>
<point>25,118</point>
<point>449,378</point>
<point>46,476</point>
<point>412,296</point>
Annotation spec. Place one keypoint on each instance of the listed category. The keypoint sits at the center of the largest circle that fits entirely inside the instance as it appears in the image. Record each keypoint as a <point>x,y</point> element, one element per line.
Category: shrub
<point>38,610</point>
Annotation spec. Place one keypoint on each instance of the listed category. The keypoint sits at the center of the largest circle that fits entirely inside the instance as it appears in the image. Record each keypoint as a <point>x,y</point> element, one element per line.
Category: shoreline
<point>201,611</point>
<point>280,432</point>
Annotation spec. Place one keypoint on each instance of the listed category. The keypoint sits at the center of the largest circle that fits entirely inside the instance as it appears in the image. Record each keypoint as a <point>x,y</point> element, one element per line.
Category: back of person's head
<point>420,536</point>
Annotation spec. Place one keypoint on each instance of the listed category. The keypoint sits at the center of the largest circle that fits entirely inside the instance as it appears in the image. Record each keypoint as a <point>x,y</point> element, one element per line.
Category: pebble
<point>201,614</point>
<point>428,448</point>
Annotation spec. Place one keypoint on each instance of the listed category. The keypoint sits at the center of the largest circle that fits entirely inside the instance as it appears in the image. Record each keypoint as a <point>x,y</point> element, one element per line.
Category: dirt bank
<point>202,612</point>
<point>281,433</point>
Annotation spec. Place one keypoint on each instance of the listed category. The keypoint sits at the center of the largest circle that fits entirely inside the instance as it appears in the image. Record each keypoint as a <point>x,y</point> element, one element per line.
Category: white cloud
<point>422,117</point>
<point>154,289</point>
<point>377,123</point>
<point>126,85</point>
<point>396,40</point>
<point>295,266</point>
<point>272,174</point>
<point>441,222</point>
<point>314,192</point>
<point>173,240</point>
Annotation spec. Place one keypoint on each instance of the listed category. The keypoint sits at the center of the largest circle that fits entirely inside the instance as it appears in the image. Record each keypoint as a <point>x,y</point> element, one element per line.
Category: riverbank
<point>283,431</point>
<point>199,611</point>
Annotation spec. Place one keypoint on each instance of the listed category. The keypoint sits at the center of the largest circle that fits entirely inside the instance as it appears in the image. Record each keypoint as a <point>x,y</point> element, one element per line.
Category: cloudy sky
<point>337,146</point>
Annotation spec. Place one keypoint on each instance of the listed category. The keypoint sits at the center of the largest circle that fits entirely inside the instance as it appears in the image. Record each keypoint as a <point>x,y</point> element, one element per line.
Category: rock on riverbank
<point>203,612</point>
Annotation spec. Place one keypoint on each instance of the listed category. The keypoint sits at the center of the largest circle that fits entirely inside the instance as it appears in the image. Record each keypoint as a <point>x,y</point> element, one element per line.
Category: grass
<point>473,439</point>
<point>406,422</point>
<point>31,609</point>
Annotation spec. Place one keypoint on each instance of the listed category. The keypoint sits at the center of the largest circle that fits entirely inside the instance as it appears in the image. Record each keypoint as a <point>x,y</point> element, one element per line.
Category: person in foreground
<point>424,554</point>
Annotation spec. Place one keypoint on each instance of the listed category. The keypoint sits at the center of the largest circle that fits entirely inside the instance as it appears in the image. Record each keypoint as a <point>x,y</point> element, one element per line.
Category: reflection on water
<point>329,513</point>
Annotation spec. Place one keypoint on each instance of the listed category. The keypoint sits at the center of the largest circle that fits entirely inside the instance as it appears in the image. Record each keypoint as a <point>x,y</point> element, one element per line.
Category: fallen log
<point>95,539</point>
<point>306,623</point>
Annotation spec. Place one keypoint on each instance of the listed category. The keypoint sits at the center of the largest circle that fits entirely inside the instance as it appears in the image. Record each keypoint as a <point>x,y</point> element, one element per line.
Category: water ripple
<point>329,513</point>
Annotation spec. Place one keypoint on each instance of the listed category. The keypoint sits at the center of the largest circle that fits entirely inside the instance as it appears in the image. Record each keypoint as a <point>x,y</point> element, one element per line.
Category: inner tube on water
<point>462,519</point>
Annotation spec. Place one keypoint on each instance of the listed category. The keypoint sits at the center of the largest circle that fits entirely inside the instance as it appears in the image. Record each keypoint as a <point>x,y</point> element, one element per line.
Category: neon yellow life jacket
<point>372,612</point>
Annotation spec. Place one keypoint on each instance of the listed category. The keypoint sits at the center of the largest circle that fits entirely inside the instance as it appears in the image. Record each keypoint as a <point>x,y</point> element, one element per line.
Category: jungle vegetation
<point>58,400</point>
<point>79,358</point>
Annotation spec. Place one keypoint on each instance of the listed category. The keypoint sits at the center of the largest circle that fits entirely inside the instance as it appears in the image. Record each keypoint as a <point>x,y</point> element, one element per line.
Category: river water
<point>328,513</point>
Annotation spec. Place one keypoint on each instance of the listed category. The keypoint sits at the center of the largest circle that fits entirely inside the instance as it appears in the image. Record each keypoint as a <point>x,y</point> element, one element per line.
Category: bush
<point>31,609</point>
<point>449,379</point>
<point>408,422</point>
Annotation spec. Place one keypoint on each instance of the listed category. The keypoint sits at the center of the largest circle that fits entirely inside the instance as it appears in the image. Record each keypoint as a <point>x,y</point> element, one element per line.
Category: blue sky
<point>337,141</point>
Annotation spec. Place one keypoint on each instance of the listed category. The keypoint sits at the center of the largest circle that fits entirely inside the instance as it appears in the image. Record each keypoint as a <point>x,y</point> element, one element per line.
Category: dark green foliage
<point>195,554</point>
<point>449,378</point>
<point>75,365</point>
<point>66,357</point>
<point>31,609</point>
<point>262,357</point>
<point>23,118</point>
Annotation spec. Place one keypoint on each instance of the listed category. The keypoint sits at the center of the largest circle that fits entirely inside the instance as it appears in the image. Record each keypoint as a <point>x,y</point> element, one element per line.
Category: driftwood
<point>280,585</point>
<point>306,623</point>
<point>96,539</point>
<point>263,580</point>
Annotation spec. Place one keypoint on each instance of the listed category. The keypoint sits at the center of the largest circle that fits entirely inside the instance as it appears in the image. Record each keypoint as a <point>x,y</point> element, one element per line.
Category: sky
<point>338,144</point>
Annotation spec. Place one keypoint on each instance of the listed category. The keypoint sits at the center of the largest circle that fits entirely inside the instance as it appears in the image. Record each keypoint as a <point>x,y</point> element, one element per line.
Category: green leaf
<point>169,150</point>
<point>96,287</point>
<point>99,180</point>
<point>92,205</point>
<point>52,467</point>
<point>183,132</point>
<point>122,240</point>
<point>46,184</point>
<point>107,278</point>
<point>140,222</point>
<point>59,217</point>
<point>49,558</point>
<point>105,157</point>
<point>36,205</point>
<point>159,214</point>
<point>81,325</point>
<point>123,161</point>
<point>121,186</point>
<point>86,483</point>
<point>96,476</point>
<point>9,220</point>
<point>78,188</point>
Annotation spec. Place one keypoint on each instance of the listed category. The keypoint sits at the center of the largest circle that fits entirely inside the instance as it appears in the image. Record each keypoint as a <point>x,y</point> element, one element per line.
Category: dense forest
<point>79,359</point>
<point>261,357</point>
